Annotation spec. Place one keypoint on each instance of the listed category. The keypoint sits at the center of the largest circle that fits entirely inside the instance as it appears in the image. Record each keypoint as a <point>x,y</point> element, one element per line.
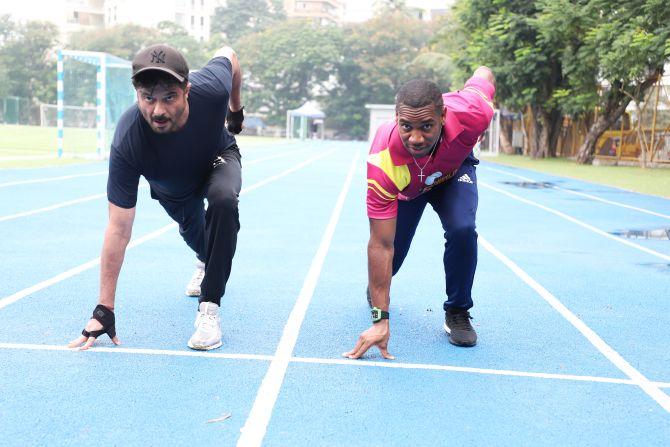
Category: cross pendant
<point>421,176</point>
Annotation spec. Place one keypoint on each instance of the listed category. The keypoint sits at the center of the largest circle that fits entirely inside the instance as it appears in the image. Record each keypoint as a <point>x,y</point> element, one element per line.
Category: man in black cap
<point>175,137</point>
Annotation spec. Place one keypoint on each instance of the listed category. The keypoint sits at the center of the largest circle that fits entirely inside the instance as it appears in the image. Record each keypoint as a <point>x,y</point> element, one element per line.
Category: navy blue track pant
<point>455,202</point>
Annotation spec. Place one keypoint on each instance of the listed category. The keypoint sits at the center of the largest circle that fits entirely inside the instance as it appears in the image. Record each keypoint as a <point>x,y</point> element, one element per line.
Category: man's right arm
<point>117,236</point>
<point>380,265</point>
<point>380,261</point>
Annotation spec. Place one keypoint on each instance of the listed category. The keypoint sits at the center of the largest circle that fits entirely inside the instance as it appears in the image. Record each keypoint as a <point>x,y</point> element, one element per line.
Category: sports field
<point>571,309</point>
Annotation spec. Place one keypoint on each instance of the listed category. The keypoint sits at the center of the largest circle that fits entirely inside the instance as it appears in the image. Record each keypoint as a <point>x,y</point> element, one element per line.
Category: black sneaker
<point>367,293</point>
<point>457,325</point>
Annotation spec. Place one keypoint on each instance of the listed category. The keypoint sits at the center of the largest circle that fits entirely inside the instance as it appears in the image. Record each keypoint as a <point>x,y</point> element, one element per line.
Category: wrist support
<point>106,318</point>
<point>235,120</point>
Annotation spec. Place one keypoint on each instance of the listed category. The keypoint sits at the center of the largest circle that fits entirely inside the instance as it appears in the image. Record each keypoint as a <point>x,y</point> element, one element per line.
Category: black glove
<point>106,318</point>
<point>235,120</point>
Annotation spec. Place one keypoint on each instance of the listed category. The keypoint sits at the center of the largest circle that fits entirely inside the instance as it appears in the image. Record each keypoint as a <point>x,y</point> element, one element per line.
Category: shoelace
<point>461,320</point>
<point>206,321</point>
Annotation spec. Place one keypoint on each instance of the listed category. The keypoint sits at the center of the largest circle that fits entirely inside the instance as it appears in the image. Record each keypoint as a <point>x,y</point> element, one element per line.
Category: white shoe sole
<point>203,347</point>
<point>446,328</point>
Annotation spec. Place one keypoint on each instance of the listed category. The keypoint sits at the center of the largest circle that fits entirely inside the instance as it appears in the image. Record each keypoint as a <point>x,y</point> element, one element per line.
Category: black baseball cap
<point>161,57</point>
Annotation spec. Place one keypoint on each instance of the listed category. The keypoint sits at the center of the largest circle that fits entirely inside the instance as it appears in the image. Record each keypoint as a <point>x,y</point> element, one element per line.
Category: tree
<point>286,65</point>
<point>503,35</point>
<point>177,36</point>
<point>381,55</point>
<point>122,40</point>
<point>6,30</point>
<point>612,53</point>
<point>29,70</point>
<point>242,17</point>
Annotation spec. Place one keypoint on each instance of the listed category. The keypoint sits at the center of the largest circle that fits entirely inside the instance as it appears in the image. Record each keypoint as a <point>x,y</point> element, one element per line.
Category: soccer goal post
<point>89,81</point>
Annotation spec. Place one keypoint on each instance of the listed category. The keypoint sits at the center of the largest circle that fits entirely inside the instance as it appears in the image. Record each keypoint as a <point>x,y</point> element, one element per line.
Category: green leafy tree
<point>6,29</point>
<point>612,53</point>
<point>286,65</point>
<point>177,36</point>
<point>29,70</point>
<point>381,54</point>
<point>242,17</point>
<point>503,35</point>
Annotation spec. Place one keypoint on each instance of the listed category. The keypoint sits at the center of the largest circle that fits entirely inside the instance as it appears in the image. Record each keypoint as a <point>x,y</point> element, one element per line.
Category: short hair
<point>419,93</point>
<point>151,78</point>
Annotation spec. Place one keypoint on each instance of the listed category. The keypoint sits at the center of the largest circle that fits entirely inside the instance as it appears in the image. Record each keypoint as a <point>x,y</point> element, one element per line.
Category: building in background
<point>362,10</point>
<point>193,15</point>
<point>68,15</point>
<point>321,11</point>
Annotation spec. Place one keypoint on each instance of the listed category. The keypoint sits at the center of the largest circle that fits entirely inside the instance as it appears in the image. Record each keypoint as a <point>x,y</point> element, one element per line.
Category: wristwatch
<point>378,314</point>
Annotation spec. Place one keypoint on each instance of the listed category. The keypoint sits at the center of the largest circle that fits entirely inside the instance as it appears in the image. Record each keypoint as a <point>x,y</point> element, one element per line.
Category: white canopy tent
<point>307,120</point>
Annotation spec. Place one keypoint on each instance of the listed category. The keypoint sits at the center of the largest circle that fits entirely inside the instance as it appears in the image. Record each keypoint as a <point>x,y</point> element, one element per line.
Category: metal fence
<point>18,110</point>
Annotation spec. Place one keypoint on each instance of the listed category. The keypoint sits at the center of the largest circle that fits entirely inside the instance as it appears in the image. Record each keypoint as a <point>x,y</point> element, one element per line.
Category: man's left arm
<point>474,104</point>
<point>235,115</point>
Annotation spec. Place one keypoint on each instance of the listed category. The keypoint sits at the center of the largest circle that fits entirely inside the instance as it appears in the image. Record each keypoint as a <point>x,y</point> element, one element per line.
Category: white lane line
<point>334,361</point>
<point>465,369</point>
<point>6,301</point>
<point>293,169</point>
<point>254,429</point>
<point>141,351</point>
<point>52,207</point>
<point>58,205</point>
<point>578,222</point>
<point>270,157</point>
<point>582,194</point>
<point>640,380</point>
<point>101,195</point>
<point>51,179</point>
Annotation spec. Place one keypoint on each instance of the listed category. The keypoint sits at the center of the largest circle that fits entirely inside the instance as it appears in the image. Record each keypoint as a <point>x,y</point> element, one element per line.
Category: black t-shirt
<point>176,164</point>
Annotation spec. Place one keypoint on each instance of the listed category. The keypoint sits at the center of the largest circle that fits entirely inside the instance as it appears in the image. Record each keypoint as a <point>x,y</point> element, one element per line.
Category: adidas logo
<point>465,178</point>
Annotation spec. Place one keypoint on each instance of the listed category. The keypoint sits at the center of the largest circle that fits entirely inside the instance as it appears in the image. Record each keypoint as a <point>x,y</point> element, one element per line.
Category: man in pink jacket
<point>425,156</point>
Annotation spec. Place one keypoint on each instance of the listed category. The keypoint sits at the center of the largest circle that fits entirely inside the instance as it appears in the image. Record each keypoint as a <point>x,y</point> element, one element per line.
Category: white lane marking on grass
<point>583,194</point>
<point>254,429</point>
<point>51,179</point>
<point>578,222</point>
<point>141,351</point>
<point>640,380</point>
<point>343,362</point>
<point>6,301</point>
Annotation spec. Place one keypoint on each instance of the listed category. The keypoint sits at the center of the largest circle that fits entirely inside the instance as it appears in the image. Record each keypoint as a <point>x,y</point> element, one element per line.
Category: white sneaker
<point>208,328</point>
<point>193,286</point>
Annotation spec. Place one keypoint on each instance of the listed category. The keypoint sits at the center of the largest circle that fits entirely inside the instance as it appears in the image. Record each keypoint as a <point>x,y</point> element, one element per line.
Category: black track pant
<point>212,233</point>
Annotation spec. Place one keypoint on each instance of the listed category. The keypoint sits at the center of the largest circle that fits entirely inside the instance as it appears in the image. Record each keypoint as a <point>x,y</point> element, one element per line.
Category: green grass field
<point>648,181</point>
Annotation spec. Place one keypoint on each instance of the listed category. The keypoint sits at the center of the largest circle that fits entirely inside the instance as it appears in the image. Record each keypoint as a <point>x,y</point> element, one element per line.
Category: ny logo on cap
<point>158,57</point>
